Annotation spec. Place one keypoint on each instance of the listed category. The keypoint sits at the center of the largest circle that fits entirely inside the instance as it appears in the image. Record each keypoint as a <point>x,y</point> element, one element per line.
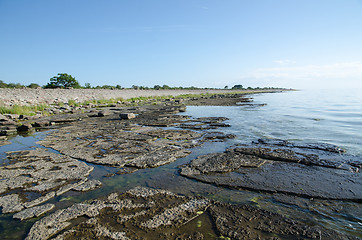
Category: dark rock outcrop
<point>315,171</point>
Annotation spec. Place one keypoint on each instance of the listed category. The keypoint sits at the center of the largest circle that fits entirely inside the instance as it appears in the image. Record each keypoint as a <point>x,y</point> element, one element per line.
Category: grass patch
<point>23,110</point>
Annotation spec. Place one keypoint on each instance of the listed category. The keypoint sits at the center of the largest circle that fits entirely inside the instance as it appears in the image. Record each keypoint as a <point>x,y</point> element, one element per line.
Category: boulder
<point>24,127</point>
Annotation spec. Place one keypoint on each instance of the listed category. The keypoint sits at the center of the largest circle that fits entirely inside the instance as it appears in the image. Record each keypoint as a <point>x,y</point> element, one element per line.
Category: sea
<point>331,116</point>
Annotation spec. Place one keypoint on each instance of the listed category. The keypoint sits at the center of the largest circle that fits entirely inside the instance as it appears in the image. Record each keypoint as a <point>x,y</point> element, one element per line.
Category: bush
<point>33,85</point>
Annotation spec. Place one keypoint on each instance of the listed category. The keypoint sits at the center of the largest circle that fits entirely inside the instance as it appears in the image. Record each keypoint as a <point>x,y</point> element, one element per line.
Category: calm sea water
<point>317,116</point>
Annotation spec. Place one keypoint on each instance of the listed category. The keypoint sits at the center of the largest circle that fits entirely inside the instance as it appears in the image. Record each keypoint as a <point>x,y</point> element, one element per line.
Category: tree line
<point>64,80</point>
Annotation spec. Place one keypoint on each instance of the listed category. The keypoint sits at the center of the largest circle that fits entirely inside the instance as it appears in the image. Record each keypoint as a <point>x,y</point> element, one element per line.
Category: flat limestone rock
<point>145,213</point>
<point>33,212</point>
<point>11,203</point>
<point>45,173</point>
<point>136,147</point>
<point>88,185</point>
<point>158,209</point>
<point>134,143</point>
<point>278,171</point>
<point>246,222</point>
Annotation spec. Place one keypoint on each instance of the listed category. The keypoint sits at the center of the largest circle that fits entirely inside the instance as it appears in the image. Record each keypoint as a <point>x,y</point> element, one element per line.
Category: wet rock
<point>3,141</point>
<point>41,124</point>
<point>8,130</point>
<point>325,155</point>
<point>145,213</point>
<point>88,185</point>
<point>218,136</point>
<point>278,170</point>
<point>40,200</point>
<point>11,203</point>
<point>34,212</point>
<point>205,123</point>
<point>24,127</point>
<point>126,170</point>
<point>320,146</point>
<point>158,158</point>
<point>138,212</point>
<point>220,125</point>
<point>38,171</point>
<point>127,115</point>
<point>121,144</point>
<point>245,222</point>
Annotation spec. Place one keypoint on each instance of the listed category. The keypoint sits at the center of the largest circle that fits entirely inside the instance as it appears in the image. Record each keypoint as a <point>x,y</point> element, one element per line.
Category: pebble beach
<point>27,96</point>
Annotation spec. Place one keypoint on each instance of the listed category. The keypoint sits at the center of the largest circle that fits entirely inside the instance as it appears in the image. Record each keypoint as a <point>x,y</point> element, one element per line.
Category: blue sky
<point>213,43</point>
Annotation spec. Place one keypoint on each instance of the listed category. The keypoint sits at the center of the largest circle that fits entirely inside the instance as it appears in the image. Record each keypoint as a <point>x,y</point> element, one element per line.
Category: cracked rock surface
<point>35,176</point>
<point>137,142</point>
<point>145,213</point>
<point>309,170</point>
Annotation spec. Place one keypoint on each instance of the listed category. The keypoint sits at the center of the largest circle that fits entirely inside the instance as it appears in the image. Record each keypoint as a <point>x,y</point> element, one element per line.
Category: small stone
<point>127,115</point>
<point>104,113</point>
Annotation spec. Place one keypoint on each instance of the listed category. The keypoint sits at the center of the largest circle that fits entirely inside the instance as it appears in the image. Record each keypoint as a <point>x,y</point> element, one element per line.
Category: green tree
<point>63,80</point>
<point>237,87</point>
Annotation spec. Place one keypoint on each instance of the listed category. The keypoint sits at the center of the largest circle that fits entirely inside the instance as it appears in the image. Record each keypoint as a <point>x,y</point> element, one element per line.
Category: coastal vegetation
<point>65,80</point>
<point>24,110</point>
<point>45,109</point>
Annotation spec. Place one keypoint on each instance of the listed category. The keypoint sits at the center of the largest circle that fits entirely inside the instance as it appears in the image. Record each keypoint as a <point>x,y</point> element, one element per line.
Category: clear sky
<point>203,43</point>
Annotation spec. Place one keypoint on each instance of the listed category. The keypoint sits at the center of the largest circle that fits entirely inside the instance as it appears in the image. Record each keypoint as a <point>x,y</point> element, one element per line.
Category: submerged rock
<point>3,141</point>
<point>145,213</point>
<point>312,172</point>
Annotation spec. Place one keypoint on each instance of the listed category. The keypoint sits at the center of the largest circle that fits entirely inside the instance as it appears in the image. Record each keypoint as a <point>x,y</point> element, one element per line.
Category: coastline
<point>28,96</point>
<point>142,154</point>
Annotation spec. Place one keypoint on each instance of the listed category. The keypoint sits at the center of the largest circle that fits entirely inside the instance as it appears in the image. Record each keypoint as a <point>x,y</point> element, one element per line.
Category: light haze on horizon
<point>213,43</point>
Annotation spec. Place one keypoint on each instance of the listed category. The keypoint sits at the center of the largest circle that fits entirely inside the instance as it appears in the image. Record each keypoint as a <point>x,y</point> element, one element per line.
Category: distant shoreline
<point>28,96</point>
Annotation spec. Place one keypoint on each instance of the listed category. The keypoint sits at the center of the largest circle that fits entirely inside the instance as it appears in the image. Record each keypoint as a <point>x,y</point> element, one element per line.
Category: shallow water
<point>319,116</point>
<point>314,116</point>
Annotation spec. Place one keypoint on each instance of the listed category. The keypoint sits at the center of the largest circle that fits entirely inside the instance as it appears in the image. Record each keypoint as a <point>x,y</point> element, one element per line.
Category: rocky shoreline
<point>28,96</point>
<point>148,135</point>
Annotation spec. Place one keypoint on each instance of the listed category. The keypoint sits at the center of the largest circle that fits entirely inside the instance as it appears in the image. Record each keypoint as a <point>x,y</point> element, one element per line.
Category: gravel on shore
<point>28,96</point>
